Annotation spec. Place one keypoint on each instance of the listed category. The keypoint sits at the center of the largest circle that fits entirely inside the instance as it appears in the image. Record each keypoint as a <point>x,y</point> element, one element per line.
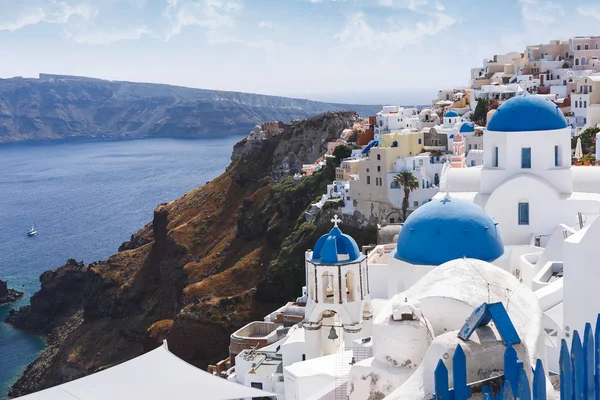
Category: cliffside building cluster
<point>519,230</point>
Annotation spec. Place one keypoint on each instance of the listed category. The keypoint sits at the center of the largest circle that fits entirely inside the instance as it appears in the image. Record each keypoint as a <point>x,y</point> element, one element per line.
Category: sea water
<point>86,198</point>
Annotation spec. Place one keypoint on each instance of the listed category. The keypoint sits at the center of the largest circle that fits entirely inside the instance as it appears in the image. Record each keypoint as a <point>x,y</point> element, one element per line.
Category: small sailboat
<point>33,231</point>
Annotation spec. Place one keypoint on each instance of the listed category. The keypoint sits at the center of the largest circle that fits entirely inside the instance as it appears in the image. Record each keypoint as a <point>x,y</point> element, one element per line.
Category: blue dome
<point>467,127</point>
<point>444,230</point>
<point>335,248</point>
<point>525,114</point>
<point>451,114</point>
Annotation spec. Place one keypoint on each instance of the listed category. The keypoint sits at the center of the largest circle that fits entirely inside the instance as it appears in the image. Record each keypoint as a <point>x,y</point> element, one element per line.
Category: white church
<point>521,230</point>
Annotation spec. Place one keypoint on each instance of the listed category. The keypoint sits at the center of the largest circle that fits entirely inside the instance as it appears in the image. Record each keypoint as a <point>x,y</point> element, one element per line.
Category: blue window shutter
<point>526,157</point>
<point>523,213</point>
<point>495,156</point>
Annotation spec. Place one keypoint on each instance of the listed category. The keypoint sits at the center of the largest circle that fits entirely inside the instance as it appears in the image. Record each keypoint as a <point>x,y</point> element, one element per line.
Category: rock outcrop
<point>8,295</point>
<point>221,256</point>
<point>58,106</point>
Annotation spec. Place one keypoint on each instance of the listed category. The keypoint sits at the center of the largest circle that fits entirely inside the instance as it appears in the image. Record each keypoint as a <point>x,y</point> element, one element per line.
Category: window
<point>367,169</point>
<point>556,160</point>
<point>350,286</point>
<point>420,141</point>
<point>256,385</point>
<point>587,47</point>
<point>348,198</point>
<point>578,47</point>
<point>495,160</point>
<point>526,157</point>
<point>585,104</point>
<point>421,162</point>
<point>423,183</point>
<point>327,287</point>
<point>469,147</point>
<point>368,180</point>
<point>416,203</point>
<point>523,213</point>
<point>303,357</point>
<point>392,220</point>
<point>378,168</point>
<point>472,163</point>
<point>436,179</point>
<point>379,156</point>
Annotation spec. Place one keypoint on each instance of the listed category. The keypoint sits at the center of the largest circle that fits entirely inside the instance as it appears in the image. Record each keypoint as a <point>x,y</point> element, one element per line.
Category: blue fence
<point>579,373</point>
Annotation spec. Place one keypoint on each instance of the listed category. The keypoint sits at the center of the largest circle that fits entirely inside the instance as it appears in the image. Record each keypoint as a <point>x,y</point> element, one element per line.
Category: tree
<point>409,183</point>
<point>481,110</point>
<point>341,152</point>
<point>588,140</point>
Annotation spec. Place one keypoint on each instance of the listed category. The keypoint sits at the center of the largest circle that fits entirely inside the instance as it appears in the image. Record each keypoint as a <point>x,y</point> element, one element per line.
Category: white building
<point>527,165</point>
<point>395,118</point>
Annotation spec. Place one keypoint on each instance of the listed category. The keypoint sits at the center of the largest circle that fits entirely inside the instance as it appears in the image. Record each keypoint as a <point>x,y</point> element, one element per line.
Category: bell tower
<point>338,309</point>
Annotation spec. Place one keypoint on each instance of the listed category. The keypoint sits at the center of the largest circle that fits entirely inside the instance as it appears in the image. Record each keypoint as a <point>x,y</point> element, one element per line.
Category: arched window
<point>350,292</point>
<point>583,61</point>
<point>577,61</point>
<point>327,287</point>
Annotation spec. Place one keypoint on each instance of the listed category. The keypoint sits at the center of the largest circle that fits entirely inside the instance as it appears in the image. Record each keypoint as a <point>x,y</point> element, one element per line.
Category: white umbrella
<point>578,150</point>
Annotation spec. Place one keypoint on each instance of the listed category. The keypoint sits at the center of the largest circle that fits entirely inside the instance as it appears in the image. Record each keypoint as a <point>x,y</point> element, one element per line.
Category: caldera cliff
<point>224,254</point>
<point>61,106</point>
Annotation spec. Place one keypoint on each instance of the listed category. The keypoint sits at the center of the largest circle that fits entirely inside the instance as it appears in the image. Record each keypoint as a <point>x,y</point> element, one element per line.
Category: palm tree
<point>409,183</point>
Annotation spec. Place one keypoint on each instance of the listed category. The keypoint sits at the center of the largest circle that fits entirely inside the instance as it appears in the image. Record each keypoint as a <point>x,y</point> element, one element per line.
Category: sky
<point>351,51</point>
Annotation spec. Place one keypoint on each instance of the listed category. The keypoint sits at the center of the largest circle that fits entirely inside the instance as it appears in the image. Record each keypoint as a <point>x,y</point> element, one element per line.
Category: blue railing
<point>579,373</point>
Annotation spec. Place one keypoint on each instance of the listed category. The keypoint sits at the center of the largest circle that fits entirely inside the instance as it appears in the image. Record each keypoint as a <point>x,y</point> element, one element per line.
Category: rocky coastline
<point>8,295</point>
<point>223,255</point>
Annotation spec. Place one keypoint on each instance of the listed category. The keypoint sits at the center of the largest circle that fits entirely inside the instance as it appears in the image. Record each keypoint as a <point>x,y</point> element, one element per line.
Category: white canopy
<point>158,374</point>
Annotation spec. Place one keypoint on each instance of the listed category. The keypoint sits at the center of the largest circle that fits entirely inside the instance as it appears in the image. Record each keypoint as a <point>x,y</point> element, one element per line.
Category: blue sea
<point>86,198</point>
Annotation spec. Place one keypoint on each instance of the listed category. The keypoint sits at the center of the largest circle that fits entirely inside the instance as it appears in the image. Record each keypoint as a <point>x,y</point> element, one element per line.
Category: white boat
<point>33,231</point>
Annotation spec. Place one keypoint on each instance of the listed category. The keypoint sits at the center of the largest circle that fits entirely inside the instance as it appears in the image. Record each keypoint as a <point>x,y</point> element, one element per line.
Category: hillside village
<point>426,177</point>
<point>483,277</point>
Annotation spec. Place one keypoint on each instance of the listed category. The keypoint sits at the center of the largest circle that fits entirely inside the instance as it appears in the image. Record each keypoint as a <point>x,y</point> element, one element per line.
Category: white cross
<point>336,220</point>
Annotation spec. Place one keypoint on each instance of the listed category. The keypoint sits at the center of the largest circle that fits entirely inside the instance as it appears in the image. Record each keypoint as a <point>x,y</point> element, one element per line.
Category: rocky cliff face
<point>57,106</point>
<point>221,256</point>
<point>8,295</point>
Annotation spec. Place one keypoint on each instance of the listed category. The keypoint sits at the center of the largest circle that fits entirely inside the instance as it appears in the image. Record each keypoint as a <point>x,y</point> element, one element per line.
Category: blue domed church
<point>338,306</point>
<point>438,232</point>
<point>526,182</point>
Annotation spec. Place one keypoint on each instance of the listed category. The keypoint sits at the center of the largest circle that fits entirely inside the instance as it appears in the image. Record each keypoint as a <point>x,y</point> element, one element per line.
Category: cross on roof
<point>336,220</point>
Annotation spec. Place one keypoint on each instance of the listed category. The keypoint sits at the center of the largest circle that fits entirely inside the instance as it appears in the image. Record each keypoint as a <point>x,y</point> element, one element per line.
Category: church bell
<point>332,334</point>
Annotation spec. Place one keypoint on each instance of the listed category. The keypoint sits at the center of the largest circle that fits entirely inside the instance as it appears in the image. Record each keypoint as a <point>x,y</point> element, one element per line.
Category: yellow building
<point>371,190</point>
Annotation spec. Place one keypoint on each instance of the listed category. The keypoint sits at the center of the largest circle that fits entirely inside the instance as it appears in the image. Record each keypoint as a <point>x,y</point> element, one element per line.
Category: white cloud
<point>544,13</point>
<point>439,7</point>
<point>589,11</point>
<point>29,17</point>
<point>414,4</point>
<point>265,24</point>
<point>358,33</point>
<point>101,37</point>
<point>209,14</point>
<point>55,12</point>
